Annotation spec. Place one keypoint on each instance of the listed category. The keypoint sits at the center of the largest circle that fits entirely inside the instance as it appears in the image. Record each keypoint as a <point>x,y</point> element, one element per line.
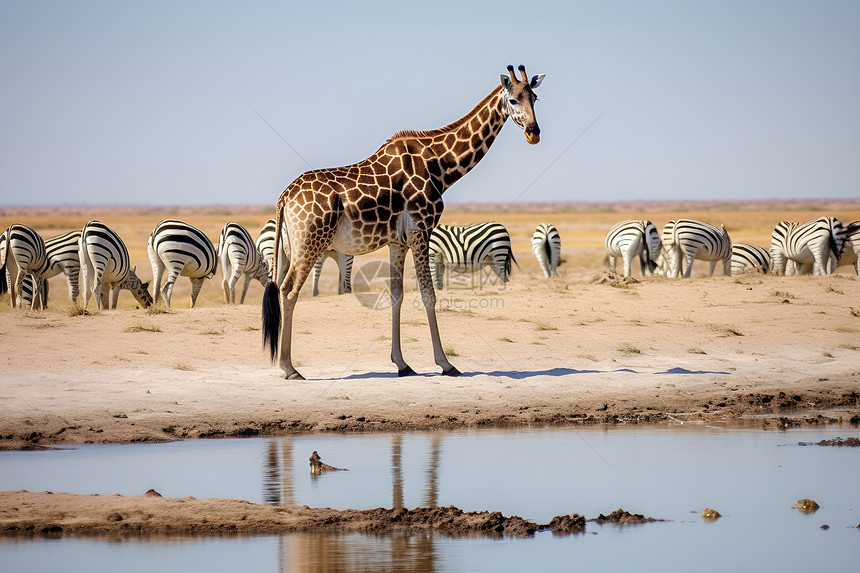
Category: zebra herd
<point>97,257</point>
<point>816,247</point>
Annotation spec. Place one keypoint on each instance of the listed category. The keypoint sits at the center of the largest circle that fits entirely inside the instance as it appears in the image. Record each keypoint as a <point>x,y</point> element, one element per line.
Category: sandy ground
<point>582,348</point>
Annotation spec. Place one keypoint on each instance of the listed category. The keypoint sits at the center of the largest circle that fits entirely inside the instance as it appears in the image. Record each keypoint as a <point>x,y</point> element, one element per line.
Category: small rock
<point>710,514</point>
<point>152,493</point>
<point>806,506</point>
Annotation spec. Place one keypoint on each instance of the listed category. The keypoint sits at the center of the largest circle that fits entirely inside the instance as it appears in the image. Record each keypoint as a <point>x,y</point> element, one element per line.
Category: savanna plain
<point>587,347</point>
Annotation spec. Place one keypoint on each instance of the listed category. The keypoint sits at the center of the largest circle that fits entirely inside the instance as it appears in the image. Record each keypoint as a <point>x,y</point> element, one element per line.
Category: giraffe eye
<point>513,101</point>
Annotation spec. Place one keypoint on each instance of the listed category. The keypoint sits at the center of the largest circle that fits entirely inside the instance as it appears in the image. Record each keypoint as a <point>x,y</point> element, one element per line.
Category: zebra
<point>685,240</point>
<point>266,243</point>
<point>239,255</point>
<point>627,239</point>
<point>182,250</point>
<point>470,247</point>
<point>61,256</point>
<point>546,245</point>
<point>106,268</point>
<point>22,253</point>
<point>803,247</point>
<point>749,258</point>
<point>851,248</point>
<point>344,267</point>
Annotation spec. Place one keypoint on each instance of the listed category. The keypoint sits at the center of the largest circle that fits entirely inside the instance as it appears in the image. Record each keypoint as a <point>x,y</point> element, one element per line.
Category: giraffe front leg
<point>397,256</point>
<point>418,242</point>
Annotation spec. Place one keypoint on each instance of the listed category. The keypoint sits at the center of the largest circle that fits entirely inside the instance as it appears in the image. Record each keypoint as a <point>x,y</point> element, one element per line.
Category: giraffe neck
<point>452,151</point>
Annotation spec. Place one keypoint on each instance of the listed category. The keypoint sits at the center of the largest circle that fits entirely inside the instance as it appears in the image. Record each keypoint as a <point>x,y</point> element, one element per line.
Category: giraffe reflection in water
<point>318,552</point>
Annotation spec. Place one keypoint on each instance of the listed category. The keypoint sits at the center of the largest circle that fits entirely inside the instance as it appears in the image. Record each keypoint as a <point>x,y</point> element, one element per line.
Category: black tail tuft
<point>4,284</point>
<point>271,319</point>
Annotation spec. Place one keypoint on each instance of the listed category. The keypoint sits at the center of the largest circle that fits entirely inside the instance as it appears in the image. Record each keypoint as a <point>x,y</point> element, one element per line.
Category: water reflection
<point>311,553</point>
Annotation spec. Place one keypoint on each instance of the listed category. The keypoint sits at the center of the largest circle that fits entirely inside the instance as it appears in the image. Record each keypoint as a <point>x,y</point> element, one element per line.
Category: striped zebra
<point>182,250</point>
<point>344,268</point>
<point>546,245</point>
<point>627,239</point>
<point>748,258</point>
<point>851,248</point>
<point>22,253</point>
<point>266,243</point>
<point>239,255</point>
<point>106,268</point>
<point>61,256</point>
<point>685,240</point>
<point>470,247</point>
<point>814,246</point>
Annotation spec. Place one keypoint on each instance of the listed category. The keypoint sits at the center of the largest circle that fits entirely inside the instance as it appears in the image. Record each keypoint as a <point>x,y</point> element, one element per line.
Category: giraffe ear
<point>536,80</point>
<point>506,82</point>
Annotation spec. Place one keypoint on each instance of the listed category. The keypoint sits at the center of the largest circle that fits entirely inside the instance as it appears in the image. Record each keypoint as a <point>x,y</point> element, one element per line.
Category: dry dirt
<point>582,348</point>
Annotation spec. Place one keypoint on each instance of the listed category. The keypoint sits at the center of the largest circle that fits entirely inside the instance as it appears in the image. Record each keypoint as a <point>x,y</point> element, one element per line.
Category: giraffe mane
<point>453,126</point>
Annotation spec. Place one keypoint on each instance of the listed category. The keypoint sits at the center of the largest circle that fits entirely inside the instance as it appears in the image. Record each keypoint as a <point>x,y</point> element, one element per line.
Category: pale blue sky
<point>170,102</point>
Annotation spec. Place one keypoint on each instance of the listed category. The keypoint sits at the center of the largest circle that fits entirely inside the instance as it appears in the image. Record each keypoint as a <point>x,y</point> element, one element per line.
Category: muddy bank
<point>56,514</point>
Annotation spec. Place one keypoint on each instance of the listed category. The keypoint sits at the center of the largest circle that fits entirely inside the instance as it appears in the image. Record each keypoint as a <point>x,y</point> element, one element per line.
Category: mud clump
<point>567,524</point>
<point>840,442</point>
<point>806,506</point>
<point>622,517</point>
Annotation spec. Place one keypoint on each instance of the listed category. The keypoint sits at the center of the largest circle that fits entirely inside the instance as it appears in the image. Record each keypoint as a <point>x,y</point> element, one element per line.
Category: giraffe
<point>393,198</point>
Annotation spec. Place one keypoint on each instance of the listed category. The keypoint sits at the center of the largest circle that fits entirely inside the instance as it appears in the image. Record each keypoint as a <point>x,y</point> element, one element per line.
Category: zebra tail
<point>511,259</point>
<point>4,285</point>
<point>835,247</point>
<point>271,319</point>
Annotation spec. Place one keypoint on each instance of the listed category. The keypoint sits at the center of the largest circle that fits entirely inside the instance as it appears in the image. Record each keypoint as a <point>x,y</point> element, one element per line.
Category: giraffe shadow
<point>513,374</point>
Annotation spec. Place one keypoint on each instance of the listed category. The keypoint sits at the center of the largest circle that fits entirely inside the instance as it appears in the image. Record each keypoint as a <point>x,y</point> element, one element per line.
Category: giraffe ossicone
<point>393,198</point>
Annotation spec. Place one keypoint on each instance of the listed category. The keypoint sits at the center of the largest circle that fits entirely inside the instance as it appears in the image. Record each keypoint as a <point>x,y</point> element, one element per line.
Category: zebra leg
<point>157,273</point>
<point>689,259</point>
<point>713,267</point>
<point>419,243</point>
<point>317,272</point>
<point>500,266</point>
<point>344,266</point>
<point>248,278</point>
<point>196,285</point>
<point>172,276</point>
<point>234,279</point>
<point>397,256</point>
<point>114,297</point>
<point>87,273</point>
<point>73,278</point>
<point>225,282</point>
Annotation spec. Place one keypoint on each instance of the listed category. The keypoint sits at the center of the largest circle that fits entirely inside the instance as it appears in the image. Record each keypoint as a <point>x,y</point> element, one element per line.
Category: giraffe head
<point>519,100</point>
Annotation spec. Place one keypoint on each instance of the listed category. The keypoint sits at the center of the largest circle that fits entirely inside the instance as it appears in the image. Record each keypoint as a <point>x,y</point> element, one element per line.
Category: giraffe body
<point>393,198</point>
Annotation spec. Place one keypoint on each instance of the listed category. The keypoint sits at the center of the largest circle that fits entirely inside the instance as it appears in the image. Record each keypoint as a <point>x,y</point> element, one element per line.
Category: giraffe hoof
<point>451,372</point>
<point>405,371</point>
<point>294,376</point>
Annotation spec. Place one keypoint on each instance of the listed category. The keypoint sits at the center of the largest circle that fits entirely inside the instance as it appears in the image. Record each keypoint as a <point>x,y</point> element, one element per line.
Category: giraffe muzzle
<point>532,134</point>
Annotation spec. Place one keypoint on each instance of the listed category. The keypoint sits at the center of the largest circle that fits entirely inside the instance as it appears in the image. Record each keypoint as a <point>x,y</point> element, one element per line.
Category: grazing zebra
<point>470,247</point>
<point>61,256</point>
<point>239,255</point>
<point>851,248</point>
<point>627,239</point>
<point>546,245</point>
<point>106,268</point>
<point>182,250</point>
<point>344,268</point>
<point>266,243</point>
<point>685,240</point>
<point>22,253</point>
<point>803,247</point>
<point>749,258</point>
